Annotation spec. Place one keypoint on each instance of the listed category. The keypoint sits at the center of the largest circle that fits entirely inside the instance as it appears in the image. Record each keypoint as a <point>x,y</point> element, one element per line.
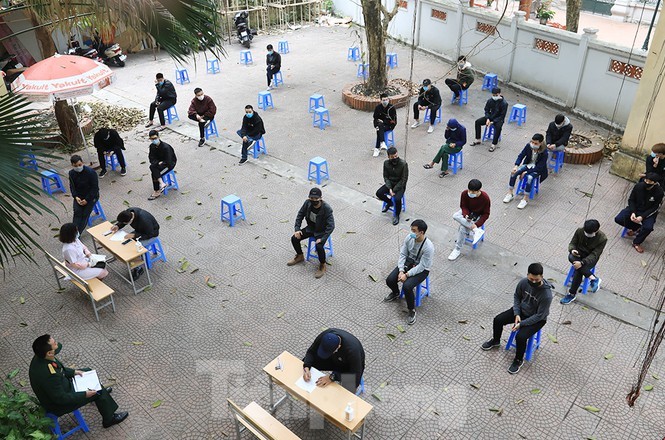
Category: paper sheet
<point>96,258</point>
<point>311,385</point>
<point>89,381</point>
<point>118,236</point>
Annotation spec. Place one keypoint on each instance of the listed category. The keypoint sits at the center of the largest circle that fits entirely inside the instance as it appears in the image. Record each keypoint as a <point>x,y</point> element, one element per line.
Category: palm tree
<point>175,25</point>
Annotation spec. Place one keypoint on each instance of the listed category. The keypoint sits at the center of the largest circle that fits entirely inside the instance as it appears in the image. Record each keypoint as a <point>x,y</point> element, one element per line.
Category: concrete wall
<point>576,75</point>
<point>18,21</point>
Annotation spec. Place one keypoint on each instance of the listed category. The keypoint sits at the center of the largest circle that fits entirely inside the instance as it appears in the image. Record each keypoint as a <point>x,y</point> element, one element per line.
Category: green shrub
<point>21,416</point>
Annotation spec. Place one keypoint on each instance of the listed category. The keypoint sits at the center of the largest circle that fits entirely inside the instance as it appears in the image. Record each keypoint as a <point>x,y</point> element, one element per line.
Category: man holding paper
<point>337,351</point>
<point>52,384</point>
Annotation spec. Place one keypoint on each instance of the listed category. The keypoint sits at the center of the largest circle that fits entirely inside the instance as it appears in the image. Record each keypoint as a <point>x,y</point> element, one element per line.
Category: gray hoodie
<point>532,303</point>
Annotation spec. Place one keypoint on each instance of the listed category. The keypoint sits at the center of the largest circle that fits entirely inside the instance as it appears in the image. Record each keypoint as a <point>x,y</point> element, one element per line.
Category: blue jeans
<point>530,176</point>
<point>245,144</point>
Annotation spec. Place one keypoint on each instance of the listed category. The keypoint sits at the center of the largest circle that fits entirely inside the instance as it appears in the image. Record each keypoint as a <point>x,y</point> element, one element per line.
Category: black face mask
<point>393,161</point>
<point>57,350</point>
<point>532,284</point>
<point>316,204</point>
<point>650,187</point>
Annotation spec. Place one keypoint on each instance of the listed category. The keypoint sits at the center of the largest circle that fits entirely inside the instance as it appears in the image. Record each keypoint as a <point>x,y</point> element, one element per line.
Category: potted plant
<point>544,13</point>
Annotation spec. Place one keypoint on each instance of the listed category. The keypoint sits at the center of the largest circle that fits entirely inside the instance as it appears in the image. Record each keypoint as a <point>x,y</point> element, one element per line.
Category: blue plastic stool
<point>422,291</point>
<point>535,188</point>
<point>81,426</point>
<point>456,161</point>
<point>172,114</point>
<point>585,280</point>
<point>555,160</point>
<point>155,252</point>
<point>277,79</point>
<point>392,207</point>
<point>363,70</point>
<point>112,161</point>
<point>353,54</point>
<point>211,129</point>
<point>488,133</point>
<point>389,138</point>
<point>259,148</point>
<point>51,182</point>
<point>361,387</point>
<point>171,182</point>
<point>29,161</point>
<point>316,101</point>
<point>532,344</point>
<point>391,60</point>
<point>213,66</point>
<point>232,209</point>
<point>469,240</point>
<point>96,214</point>
<point>318,170</point>
<point>518,114</point>
<point>181,76</point>
<point>321,118</point>
<point>311,248</point>
<point>283,46</point>
<point>265,100</point>
<point>437,120</point>
<point>490,81</point>
<point>246,57</point>
<point>463,97</point>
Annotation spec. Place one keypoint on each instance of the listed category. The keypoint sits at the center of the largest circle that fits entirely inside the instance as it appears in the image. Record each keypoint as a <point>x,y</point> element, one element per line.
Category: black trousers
<point>383,193</point>
<point>578,276</point>
<point>82,214</point>
<point>643,230</point>
<point>118,153</point>
<point>454,86</point>
<point>524,333</point>
<point>497,129</point>
<point>409,285</point>
<point>157,171</point>
<point>432,112</point>
<point>306,233</point>
<point>202,124</point>
<point>269,73</point>
<point>380,133</point>
<point>160,109</point>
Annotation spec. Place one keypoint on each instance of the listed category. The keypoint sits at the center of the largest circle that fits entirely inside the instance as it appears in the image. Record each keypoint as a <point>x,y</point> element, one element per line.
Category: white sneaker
<point>454,254</point>
<point>376,152</point>
<point>477,235</point>
<point>269,88</point>
<point>384,146</point>
<point>509,198</point>
<point>522,204</point>
<point>415,124</point>
<point>430,129</point>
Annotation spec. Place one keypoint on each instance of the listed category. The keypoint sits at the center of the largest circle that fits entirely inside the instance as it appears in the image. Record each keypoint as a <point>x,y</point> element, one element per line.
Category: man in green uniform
<point>52,384</point>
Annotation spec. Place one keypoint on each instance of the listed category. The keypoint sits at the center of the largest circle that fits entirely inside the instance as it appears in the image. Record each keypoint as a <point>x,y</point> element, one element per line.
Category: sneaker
<point>490,344</point>
<point>137,272</point>
<point>376,152</point>
<point>102,173</point>
<point>123,171</point>
<point>387,207</point>
<point>515,366</point>
<point>415,124</point>
<point>455,100</point>
<point>477,235</point>
<point>392,296</point>
<point>412,317</point>
<point>242,161</point>
<point>384,146</point>
<point>509,198</point>
<point>568,299</point>
<point>454,254</point>
<point>522,204</point>
<point>269,88</point>
<point>201,142</point>
<point>430,129</point>
<point>396,220</point>
<point>299,258</point>
<point>595,285</point>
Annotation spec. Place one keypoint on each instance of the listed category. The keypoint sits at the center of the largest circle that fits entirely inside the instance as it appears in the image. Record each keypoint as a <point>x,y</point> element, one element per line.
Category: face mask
<point>472,195</point>
<point>653,154</point>
<point>270,52</point>
<point>200,98</point>
<point>57,350</point>
<point>460,65</point>
<point>78,169</point>
<point>559,125</point>
<point>650,187</point>
<point>593,234</point>
<point>393,161</point>
<point>385,103</point>
<point>155,142</point>
<point>78,235</point>
<point>161,83</point>
<point>316,204</point>
<point>249,115</point>
<point>534,146</point>
<point>452,129</point>
<point>425,88</point>
<point>413,235</point>
<point>534,284</point>
<point>107,136</point>
<point>496,98</point>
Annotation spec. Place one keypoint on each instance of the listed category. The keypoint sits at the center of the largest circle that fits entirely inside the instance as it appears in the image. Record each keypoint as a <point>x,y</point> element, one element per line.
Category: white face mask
<point>593,234</point>
<point>460,65</point>
<point>452,129</point>
<point>472,195</point>
<point>200,98</point>
<point>534,146</point>
<point>559,125</point>
<point>496,98</point>
<point>78,169</point>
<point>385,103</point>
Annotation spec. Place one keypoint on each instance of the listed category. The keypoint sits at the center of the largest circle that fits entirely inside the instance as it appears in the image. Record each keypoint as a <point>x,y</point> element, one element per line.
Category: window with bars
<point>546,46</point>
<point>485,28</point>
<point>439,15</point>
<point>629,70</point>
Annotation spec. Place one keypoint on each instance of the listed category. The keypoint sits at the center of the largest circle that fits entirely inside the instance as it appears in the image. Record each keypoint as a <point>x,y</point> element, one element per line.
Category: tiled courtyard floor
<point>191,346</point>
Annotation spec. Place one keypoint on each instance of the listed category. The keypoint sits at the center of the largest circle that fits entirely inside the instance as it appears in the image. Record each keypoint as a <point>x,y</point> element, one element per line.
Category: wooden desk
<point>124,253</point>
<point>330,401</point>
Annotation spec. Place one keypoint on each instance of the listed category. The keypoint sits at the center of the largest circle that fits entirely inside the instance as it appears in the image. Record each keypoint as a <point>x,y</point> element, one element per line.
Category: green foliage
<point>21,417</point>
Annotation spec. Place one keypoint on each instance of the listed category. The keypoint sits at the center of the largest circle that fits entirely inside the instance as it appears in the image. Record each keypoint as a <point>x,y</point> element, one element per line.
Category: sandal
<point>492,148</point>
<point>153,196</point>
<point>475,143</point>
<point>428,166</point>
<point>638,248</point>
<point>443,174</point>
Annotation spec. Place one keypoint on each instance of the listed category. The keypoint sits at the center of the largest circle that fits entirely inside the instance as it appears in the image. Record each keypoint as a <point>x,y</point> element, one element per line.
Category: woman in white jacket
<point>77,255</point>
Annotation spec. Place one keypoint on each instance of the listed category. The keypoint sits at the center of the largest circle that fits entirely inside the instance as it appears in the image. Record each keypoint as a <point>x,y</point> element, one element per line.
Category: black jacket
<point>643,202</point>
<point>396,176</point>
<point>84,185</point>
<point>162,153</point>
<point>349,359</point>
<point>659,169</point>
<point>590,248</point>
<point>386,114</point>
<point>274,60</point>
<point>496,111</point>
<point>144,224</point>
<point>252,127</point>
<point>429,98</point>
<point>541,161</point>
<point>165,91</point>
<point>114,141</point>
<point>325,222</point>
<point>558,136</point>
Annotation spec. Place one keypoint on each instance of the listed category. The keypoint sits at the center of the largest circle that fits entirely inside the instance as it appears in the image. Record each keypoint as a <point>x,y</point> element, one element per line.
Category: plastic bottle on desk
<point>139,246</point>
<point>348,411</point>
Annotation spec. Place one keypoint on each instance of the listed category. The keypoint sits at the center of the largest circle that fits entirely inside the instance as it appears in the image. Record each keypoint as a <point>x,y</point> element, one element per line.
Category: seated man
<point>495,115</point>
<point>558,133</point>
<point>107,141</point>
<point>385,119</point>
<point>585,249</point>
<point>531,305</point>
<point>655,162</point>
<point>413,266</point>
<point>455,136</point>
<point>143,223</point>
<point>52,384</point>
<point>273,63</point>
<point>643,205</point>
<point>251,131</point>
<point>162,160</point>
<point>337,351</point>
<point>320,224</point>
<point>165,98</point>
<point>530,163</point>
<point>474,212</point>
<point>202,109</point>
<point>464,78</point>
<point>395,176</point>
<point>428,98</point>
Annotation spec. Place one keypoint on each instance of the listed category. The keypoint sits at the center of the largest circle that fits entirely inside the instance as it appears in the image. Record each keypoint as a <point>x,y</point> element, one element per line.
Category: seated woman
<point>530,164</point>
<point>77,255</point>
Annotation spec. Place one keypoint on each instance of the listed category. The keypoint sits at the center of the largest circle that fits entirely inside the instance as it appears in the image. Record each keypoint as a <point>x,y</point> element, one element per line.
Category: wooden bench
<point>96,290</point>
<point>259,422</point>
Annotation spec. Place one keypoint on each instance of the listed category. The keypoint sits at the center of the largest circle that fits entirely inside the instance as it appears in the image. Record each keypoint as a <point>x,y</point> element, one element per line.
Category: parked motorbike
<point>245,34</point>
<point>111,54</point>
<point>87,52</point>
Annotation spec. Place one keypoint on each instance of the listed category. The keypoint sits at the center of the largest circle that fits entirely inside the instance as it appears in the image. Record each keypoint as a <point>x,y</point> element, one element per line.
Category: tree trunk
<point>573,15</point>
<point>68,124</point>
<point>43,35</point>
<point>378,78</point>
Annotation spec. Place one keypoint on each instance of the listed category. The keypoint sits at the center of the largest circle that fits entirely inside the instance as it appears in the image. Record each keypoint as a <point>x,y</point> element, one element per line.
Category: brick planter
<point>367,103</point>
<point>583,156</point>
